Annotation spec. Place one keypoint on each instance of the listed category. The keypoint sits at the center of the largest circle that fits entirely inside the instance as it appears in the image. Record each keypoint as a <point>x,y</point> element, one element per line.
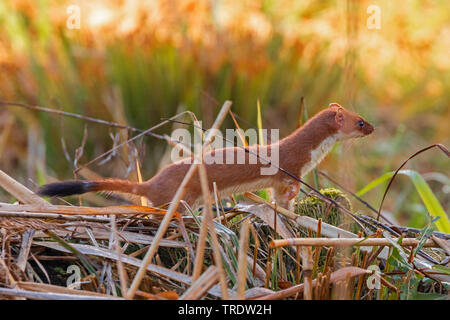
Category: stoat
<point>299,153</point>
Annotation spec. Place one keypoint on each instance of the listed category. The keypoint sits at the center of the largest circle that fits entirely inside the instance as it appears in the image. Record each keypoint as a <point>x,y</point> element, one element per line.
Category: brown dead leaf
<point>284,284</point>
<point>169,295</point>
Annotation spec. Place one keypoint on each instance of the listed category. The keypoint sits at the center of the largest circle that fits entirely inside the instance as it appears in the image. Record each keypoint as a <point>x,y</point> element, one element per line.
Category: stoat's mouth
<point>353,135</point>
<point>362,135</point>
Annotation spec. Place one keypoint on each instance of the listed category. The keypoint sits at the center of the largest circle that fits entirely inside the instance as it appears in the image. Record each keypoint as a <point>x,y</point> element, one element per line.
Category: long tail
<point>67,188</point>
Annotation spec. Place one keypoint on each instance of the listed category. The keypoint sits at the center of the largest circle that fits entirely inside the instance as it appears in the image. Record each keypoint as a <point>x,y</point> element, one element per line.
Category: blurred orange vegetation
<point>412,37</point>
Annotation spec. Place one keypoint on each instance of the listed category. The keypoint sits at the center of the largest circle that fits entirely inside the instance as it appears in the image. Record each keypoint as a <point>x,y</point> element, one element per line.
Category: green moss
<point>313,206</point>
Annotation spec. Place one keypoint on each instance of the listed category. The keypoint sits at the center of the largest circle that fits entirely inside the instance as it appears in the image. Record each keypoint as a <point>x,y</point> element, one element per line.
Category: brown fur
<point>294,152</point>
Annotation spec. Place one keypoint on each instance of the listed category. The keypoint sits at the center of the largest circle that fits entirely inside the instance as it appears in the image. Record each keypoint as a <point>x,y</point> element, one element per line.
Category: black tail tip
<point>66,188</point>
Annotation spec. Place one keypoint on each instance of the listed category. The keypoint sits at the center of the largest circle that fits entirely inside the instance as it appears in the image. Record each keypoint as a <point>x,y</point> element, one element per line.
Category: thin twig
<point>201,286</point>
<point>440,146</point>
<point>242,261</point>
<point>22,193</point>
<point>207,216</point>
<point>345,242</point>
<point>120,267</point>
<point>317,249</point>
<point>307,272</point>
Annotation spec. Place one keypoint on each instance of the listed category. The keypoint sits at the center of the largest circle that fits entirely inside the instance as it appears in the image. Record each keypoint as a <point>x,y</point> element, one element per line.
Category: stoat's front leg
<point>285,194</point>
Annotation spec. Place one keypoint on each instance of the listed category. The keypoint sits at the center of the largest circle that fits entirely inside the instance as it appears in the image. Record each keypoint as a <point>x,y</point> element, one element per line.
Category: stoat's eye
<point>361,123</point>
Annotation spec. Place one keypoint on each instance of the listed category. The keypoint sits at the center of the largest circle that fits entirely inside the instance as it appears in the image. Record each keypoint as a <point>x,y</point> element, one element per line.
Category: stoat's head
<point>349,124</point>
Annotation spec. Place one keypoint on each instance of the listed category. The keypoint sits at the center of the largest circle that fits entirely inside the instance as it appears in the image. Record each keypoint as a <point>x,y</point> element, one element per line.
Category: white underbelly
<point>318,154</point>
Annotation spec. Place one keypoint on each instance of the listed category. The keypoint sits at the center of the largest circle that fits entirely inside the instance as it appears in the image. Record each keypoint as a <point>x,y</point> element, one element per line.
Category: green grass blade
<point>259,123</point>
<point>263,193</point>
<point>90,267</point>
<point>443,269</point>
<point>375,183</point>
<point>429,199</point>
<point>426,194</point>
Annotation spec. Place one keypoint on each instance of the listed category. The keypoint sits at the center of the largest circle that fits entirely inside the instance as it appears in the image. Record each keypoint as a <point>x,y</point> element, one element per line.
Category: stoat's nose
<point>368,128</point>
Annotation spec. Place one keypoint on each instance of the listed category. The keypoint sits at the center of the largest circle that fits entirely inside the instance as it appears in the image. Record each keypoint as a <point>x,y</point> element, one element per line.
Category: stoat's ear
<point>339,117</point>
<point>335,105</point>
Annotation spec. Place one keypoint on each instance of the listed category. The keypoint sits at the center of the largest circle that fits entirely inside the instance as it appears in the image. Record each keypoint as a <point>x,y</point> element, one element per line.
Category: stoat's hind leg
<point>284,195</point>
<point>190,202</point>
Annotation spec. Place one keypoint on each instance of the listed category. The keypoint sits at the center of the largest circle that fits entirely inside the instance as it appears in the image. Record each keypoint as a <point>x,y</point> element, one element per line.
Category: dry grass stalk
<point>268,268</point>
<point>19,225</point>
<point>374,255</point>
<point>75,210</point>
<point>267,214</point>
<point>275,220</point>
<point>362,277</point>
<point>324,293</point>
<point>318,286</point>
<point>354,259</point>
<point>216,201</point>
<point>48,288</point>
<point>53,216</point>
<point>100,234</point>
<point>173,205</point>
<point>208,220</point>
<point>259,271</point>
<point>52,295</point>
<point>444,244</point>
<point>218,258</point>
<point>242,261</point>
<point>227,216</point>
<point>122,274</point>
<point>255,250</point>
<point>307,272</point>
<point>345,242</point>
<point>411,254</point>
<point>19,191</point>
<point>10,277</point>
<point>328,259</point>
<point>149,296</point>
<point>223,218</point>
<point>354,263</point>
<point>27,239</point>
<point>41,267</point>
<point>317,249</point>
<point>201,286</point>
<point>185,235</point>
<point>338,275</point>
<point>198,263</point>
<point>389,285</point>
<point>347,293</point>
